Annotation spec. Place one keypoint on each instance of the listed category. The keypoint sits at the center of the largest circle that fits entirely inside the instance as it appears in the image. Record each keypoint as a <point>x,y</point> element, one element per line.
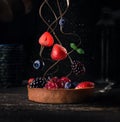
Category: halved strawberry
<point>58,52</point>
<point>85,84</point>
<point>46,39</point>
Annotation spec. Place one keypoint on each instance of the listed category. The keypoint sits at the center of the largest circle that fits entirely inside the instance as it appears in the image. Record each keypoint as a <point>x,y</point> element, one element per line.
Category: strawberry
<point>85,84</point>
<point>58,52</point>
<point>30,80</point>
<point>46,39</point>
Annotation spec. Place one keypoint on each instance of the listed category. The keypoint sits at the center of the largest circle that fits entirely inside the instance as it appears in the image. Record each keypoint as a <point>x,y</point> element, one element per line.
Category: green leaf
<point>80,51</point>
<point>73,46</point>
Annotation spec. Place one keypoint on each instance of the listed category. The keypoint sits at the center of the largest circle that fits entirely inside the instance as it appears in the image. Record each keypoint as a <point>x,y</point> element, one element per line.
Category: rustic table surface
<point>15,106</point>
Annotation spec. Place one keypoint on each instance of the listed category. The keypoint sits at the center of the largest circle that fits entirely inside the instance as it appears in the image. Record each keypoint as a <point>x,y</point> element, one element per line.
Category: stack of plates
<point>11,64</point>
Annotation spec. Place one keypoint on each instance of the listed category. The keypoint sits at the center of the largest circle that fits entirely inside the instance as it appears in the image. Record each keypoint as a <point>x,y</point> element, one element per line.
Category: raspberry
<point>60,83</point>
<point>77,67</point>
<point>65,79</point>
<point>54,79</point>
<point>51,85</point>
<point>38,82</point>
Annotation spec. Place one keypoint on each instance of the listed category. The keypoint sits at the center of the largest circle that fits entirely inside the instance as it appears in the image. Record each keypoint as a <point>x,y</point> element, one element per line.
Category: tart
<point>53,96</point>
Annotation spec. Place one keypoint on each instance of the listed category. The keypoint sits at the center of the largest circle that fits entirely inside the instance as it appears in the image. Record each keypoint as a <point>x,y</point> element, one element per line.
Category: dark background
<point>83,15</point>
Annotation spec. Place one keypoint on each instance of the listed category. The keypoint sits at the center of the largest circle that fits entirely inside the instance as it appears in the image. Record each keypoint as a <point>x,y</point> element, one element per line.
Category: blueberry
<point>62,22</point>
<point>68,85</point>
<point>38,64</point>
<point>75,83</point>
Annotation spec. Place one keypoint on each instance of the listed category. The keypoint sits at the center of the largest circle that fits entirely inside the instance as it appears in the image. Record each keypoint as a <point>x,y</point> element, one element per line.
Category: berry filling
<point>57,83</point>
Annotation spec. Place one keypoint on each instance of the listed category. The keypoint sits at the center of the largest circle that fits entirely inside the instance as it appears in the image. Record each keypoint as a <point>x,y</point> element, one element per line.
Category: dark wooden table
<point>14,106</point>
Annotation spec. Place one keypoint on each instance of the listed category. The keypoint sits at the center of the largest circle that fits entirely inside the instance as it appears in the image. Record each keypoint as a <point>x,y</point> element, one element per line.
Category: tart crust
<point>42,95</point>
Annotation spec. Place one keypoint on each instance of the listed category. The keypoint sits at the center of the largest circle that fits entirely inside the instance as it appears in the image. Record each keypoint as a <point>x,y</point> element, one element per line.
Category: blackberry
<point>77,67</point>
<point>38,82</point>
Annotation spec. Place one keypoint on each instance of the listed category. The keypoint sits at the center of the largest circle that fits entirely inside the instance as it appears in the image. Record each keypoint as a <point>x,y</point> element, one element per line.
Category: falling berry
<point>62,22</point>
<point>77,67</point>
<point>58,52</point>
<point>46,39</point>
<point>38,64</point>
